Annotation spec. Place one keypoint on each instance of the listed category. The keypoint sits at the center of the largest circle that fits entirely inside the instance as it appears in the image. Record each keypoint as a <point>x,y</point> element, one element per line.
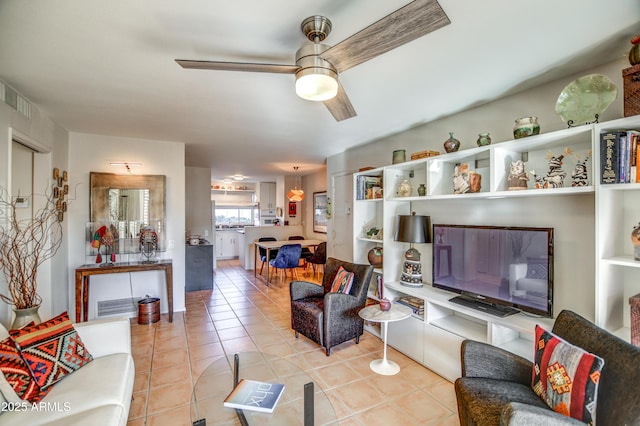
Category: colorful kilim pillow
<point>565,376</point>
<point>17,375</point>
<point>52,349</point>
<point>343,281</point>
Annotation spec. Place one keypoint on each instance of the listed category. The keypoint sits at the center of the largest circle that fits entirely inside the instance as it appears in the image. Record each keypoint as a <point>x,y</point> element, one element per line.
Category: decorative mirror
<point>122,208</point>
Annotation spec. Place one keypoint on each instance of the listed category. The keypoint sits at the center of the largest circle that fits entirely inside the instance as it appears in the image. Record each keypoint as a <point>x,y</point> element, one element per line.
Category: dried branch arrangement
<point>25,244</point>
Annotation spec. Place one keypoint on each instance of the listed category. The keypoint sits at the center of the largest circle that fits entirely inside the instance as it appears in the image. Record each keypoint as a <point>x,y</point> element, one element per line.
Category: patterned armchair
<point>330,318</point>
<point>495,387</point>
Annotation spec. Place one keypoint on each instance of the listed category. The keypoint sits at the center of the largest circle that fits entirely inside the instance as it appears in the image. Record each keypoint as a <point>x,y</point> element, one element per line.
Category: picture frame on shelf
<point>320,212</point>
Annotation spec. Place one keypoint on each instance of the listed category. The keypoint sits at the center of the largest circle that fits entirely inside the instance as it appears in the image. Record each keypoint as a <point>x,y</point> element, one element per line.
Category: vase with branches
<point>25,244</point>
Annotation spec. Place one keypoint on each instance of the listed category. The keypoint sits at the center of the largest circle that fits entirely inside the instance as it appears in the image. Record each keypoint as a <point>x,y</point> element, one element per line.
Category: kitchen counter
<point>251,235</point>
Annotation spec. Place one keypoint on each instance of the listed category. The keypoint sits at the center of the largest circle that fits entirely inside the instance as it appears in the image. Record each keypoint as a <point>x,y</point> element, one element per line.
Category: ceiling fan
<point>318,65</point>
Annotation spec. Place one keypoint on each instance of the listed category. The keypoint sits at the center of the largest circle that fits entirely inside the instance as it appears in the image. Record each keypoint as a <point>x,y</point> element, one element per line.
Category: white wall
<point>572,217</point>
<point>42,134</point>
<point>198,198</point>
<point>89,153</point>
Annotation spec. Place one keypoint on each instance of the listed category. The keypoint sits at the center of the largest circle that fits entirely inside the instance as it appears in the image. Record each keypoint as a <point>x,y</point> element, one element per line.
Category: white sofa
<point>99,393</point>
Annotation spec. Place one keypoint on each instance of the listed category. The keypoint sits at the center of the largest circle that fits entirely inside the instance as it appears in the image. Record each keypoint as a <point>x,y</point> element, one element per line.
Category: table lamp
<point>413,229</point>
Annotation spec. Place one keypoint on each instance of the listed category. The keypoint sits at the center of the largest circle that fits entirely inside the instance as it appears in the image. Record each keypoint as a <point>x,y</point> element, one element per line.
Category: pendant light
<point>295,194</point>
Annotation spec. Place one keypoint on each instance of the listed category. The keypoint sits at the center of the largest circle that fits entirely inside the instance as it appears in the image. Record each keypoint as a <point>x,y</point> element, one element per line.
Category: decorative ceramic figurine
<point>579,175</point>
<point>635,239</point>
<point>518,178</point>
<point>555,176</point>
<point>404,188</point>
<point>452,144</point>
<point>483,139</point>
<point>461,179</point>
<point>422,190</point>
<point>526,126</point>
<point>539,180</point>
<point>465,180</point>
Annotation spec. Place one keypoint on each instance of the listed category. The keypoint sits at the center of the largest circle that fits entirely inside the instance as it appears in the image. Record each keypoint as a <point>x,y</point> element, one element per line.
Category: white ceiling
<point>107,67</point>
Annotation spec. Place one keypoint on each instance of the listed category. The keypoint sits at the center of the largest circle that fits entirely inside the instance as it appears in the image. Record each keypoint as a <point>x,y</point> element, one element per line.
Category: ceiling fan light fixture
<point>317,79</point>
<point>316,84</point>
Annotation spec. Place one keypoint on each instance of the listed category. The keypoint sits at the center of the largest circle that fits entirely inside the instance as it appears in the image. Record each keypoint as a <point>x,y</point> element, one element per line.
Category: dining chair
<point>288,258</point>
<point>306,253</point>
<point>319,257</point>
<point>263,252</point>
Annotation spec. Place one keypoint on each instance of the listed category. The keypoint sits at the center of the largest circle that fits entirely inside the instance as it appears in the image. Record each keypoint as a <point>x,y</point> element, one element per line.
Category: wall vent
<point>118,306</point>
<point>15,100</point>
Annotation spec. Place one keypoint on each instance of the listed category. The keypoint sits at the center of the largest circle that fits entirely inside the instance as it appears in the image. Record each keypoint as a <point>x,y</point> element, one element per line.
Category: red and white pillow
<point>565,376</point>
<point>37,356</point>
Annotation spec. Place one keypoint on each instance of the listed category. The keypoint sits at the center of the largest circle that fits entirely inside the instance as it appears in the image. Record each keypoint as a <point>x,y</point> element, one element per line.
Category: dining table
<point>271,245</point>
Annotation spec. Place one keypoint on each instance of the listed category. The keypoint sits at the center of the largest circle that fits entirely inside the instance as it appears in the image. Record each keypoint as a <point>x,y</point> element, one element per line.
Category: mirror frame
<point>100,183</point>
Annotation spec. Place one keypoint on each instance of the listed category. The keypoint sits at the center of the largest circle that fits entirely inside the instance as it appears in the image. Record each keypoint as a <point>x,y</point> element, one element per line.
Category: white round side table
<point>375,314</point>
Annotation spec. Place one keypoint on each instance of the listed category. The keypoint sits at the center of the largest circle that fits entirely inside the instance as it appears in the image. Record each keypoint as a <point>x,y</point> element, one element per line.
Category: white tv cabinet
<point>434,339</point>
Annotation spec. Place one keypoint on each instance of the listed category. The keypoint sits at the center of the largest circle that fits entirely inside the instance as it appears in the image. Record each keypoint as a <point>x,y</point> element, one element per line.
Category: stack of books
<point>619,159</point>
<point>415,303</point>
<point>368,187</point>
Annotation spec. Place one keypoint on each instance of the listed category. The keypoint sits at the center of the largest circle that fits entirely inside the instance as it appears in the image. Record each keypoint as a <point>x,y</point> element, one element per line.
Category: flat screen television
<point>500,270</point>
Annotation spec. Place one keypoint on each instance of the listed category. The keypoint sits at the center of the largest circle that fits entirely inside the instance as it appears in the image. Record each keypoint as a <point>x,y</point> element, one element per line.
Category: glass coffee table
<point>217,381</point>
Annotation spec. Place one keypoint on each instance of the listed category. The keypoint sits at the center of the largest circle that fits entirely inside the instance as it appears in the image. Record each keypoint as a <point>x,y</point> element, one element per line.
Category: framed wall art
<point>320,212</point>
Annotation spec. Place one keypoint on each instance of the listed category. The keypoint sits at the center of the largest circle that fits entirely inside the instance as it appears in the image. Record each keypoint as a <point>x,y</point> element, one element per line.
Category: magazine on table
<point>255,396</point>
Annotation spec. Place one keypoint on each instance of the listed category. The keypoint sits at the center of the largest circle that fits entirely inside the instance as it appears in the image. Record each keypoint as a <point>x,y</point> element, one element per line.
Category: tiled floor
<point>242,314</point>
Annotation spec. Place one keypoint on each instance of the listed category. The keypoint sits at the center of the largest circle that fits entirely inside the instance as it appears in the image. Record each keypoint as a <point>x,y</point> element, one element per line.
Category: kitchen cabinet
<point>267,195</point>
<point>227,246</point>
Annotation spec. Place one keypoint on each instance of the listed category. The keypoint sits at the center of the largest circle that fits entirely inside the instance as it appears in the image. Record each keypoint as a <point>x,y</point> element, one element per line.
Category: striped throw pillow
<point>343,281</point>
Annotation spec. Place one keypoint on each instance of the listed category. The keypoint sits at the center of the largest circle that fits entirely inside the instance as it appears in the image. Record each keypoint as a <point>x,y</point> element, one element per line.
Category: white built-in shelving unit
<point>617,273</point>
<point>434,339</point>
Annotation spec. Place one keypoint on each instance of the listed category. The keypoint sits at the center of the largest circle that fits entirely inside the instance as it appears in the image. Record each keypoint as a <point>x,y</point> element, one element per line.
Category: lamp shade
<point>295,194</point>
<point>413,229</point>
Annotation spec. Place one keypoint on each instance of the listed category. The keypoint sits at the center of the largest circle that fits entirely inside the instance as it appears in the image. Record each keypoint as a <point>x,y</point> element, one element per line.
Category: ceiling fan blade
<point>237,66</point>
<point>418,18</point>
<point>340,105</point>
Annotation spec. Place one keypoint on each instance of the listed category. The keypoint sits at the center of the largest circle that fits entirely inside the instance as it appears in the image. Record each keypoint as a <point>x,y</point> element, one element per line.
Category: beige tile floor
<point>243,314</point>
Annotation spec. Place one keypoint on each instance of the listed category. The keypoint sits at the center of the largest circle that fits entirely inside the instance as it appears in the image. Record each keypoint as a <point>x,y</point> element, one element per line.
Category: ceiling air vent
<point>15,100</point>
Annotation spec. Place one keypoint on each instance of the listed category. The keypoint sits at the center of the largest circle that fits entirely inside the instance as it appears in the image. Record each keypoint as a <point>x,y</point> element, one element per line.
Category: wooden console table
<point>84,272</point>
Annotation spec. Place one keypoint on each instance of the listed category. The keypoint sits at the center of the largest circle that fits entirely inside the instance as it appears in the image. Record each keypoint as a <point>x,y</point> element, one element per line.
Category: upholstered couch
<point>495,387</point>
<point>99,393</point>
